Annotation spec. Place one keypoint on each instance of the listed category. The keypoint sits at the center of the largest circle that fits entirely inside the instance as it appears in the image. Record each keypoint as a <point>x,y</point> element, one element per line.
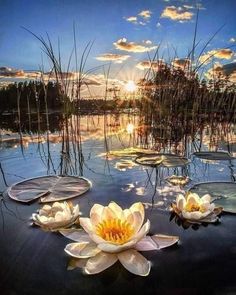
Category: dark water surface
<point>34,262</point>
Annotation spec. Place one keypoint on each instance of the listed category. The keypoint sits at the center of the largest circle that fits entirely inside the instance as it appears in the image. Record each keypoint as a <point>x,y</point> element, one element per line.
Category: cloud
<point>148,42</point>
<point>132,19</point>
<point>232,40</point>
<point>154,65</point>
<point>223,71</point>
<point>223,53</point>
<point>117,58</point>
<point>6,72</point>
<point>177,13</point>
<point>122,44</point>
<point>145,14</point>
<point>140,19</point>
<point>16,74</point>
<point>182,63</point>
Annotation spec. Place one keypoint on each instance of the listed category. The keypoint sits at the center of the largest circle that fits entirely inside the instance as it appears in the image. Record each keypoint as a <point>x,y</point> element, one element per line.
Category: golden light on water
<point>130,128</point>
<point>130,86</point>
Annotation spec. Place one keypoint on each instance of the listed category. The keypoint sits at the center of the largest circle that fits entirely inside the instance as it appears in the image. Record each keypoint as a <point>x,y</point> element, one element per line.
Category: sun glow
<point>130,128</point>
<point>130,86</point>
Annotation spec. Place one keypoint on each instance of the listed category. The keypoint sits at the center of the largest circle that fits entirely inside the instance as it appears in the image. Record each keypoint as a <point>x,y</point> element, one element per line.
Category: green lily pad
<point>165,160</point>
<point>223,193</point>
<point>214,156</point>
<point>49,188</point>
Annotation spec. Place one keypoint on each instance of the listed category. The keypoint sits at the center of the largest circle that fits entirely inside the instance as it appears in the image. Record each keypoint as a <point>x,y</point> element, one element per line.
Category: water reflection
<point>74,146</point>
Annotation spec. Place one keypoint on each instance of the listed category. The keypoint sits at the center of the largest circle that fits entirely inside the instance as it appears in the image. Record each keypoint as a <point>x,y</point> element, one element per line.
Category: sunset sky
<point>124,32</point>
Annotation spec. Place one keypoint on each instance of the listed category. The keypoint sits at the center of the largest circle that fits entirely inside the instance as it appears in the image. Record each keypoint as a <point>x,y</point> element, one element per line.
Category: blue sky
<point>106,22</point>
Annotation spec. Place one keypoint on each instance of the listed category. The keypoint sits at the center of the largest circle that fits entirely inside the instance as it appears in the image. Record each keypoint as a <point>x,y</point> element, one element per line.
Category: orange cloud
<point>154,65</point>
<point>117,58</point>
<point>122,44</point>
<point>223,71</point>
<point>145,14</point>
<point>182,63</point>
<point>216,53</point>
<point>177,13</point>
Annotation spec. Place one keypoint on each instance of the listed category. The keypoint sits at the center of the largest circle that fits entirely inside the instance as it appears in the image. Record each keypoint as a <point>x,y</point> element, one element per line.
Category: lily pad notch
<point>49,188</point>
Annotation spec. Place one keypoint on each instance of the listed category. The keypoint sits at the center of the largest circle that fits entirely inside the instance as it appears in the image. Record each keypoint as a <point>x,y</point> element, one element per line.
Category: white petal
<point>116,209</point>
<point>193,198</point>
<point>86,224</point>
<point>180,202</point>
<point>196,215</point>
<point>138,207</point>
<point>134,262</point>
<point>143,231</point>
<point>97,208</point>
<point>146,244</point>
<point>114,248</point>
<point>164,241</point>
<point>137,221</point>
<point>76,235</point>
<point>100,262</point>
<point>107,213</point>
<point>82,250</point>
<point>77,262</point>
<point>206,198</point>
<point>95,218</point>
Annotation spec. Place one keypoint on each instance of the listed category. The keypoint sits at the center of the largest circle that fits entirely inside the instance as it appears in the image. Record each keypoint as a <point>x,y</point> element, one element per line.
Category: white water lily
<point>196,209</point>
<point>114,234</point>
<point>57,216</point>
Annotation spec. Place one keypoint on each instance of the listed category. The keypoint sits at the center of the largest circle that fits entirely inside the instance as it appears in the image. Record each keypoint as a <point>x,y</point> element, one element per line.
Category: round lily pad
<point>223,193</point>
<point>165,160</point>
<point>214,156</point>
<point>49,188</point>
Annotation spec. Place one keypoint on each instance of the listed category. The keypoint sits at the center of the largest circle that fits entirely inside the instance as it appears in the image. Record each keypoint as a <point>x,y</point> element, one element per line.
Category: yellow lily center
<point>194,207</point>
<point>115,230</point>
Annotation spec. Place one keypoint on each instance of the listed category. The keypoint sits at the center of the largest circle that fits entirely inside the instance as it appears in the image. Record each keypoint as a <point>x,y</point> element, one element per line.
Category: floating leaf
<point>178,180</point>
<point>130,152</point>
<point>223,193</point>
<point>165,160</point>
<point>49,188</point>
<point>214,156</point>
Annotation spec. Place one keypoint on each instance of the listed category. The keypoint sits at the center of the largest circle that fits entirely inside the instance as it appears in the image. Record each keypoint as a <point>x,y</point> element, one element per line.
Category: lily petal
<point>138,207</point>
<point>134,262</point>
<point>76,235</point>
<point>180,202</point>
<point>146,244</point>
<point>86,224</point>
<point>82,250</point>
<point>206,198</point>
<point>114,248</point>
<point>143,231</point>
<point>99,263</point>
<point>164,241</point>
<point>116,209</point>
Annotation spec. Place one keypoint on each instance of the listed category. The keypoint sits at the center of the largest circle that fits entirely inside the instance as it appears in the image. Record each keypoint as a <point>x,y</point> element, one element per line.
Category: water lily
<point>178,180</point>
<point>113,234</point>
<point>196,209</point>
<point>57,216</point>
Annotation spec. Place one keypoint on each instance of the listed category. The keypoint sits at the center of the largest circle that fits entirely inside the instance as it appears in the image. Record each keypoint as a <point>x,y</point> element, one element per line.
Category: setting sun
<point>130,86</point>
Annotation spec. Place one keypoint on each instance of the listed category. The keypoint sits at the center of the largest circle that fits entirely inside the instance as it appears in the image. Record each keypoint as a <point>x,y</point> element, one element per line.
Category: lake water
<point>119,179</point>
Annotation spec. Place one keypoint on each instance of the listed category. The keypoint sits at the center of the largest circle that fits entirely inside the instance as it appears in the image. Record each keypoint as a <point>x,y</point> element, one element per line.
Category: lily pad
<point>214,156</point>
<point>130,152</point>
<point>165,160</point>
<point>49,188</point>
<point>223,193</point>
